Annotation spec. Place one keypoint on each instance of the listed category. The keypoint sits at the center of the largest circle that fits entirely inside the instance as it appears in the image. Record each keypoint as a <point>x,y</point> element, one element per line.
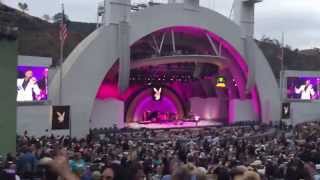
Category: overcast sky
<point>298,19</point>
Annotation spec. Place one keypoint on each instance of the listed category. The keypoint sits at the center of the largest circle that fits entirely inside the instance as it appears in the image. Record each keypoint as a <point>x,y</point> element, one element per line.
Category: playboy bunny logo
<point>60,117</point>
<point>286,110</point>
<point>157,94</point>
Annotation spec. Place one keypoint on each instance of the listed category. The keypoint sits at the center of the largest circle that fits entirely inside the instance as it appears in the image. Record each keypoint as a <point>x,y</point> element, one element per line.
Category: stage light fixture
<point>221,82</point>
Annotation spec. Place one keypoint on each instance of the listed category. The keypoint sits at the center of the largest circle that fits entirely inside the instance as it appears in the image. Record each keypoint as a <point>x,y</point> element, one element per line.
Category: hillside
<point>40,38</point>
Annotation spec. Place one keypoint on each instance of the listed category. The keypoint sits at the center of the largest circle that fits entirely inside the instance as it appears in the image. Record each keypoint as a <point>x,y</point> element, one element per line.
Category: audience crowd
<point>216,153</point>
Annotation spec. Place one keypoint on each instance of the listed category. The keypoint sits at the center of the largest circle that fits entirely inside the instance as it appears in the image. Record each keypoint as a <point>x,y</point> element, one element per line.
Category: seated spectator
<point>221,153</point>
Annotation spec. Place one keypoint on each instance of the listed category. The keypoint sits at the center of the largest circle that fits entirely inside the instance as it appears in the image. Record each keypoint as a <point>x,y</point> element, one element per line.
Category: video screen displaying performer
<point>32,83</point>
<point>303,88</point>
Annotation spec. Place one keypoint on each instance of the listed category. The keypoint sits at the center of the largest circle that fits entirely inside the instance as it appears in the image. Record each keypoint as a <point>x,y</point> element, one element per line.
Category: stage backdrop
<point>210,108</point>
<point>106,113</point>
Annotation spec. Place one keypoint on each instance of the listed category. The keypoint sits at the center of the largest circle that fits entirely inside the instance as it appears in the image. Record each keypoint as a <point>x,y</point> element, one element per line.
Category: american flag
<point>63,28</point>
<point>280,53</point>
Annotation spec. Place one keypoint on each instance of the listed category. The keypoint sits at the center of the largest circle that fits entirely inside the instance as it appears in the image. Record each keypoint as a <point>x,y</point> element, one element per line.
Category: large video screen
<point>303,88</point>
<point>32,83</point>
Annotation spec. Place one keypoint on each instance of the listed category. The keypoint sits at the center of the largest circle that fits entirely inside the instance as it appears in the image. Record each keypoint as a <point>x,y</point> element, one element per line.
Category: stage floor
<point>175,124</point>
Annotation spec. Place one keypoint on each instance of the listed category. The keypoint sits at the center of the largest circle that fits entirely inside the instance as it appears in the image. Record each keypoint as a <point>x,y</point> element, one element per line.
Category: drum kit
<point>159,117</point>
<point>165,117</point>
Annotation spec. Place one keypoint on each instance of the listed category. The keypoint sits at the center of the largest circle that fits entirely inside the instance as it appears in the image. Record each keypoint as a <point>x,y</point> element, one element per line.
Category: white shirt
<point>26,94</point>
<point>17,177</point>
<point>306,94</point>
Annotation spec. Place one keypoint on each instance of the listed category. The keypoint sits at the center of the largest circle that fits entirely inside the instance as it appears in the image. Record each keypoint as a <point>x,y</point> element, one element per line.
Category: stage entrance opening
<point>185,94</point>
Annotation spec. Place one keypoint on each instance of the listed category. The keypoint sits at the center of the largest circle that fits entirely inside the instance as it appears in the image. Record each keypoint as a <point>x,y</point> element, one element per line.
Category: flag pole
<point>282,67</point>
<point>282,51</point>
<point>282,91</point>
<point>62,34</point>
<point>61,54</point>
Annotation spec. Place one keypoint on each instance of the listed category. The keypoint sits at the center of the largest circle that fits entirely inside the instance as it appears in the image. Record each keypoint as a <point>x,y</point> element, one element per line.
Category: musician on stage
<point>27,86</point>
<point>306,91</point>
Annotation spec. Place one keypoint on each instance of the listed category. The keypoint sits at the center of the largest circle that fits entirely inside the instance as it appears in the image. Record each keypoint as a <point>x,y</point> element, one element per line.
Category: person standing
<point>306,90</point>
<point>27,86</point>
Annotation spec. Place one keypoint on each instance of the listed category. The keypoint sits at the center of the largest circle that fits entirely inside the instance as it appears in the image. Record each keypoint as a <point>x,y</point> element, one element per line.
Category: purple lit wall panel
<point>107,91</point>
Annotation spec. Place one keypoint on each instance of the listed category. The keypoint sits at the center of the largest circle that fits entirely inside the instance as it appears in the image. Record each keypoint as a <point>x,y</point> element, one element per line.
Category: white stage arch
<point>87,65</point>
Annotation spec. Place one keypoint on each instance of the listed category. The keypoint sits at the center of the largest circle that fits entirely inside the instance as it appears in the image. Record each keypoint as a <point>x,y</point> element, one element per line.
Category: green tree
<point>46,17</point>
<point>23,7</point>
<point>58,17</point>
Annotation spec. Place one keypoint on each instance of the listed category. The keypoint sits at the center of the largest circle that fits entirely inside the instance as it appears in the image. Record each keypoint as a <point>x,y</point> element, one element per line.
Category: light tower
<point>116,14</point>
<point>244,16</point>
<point>116,11</point>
